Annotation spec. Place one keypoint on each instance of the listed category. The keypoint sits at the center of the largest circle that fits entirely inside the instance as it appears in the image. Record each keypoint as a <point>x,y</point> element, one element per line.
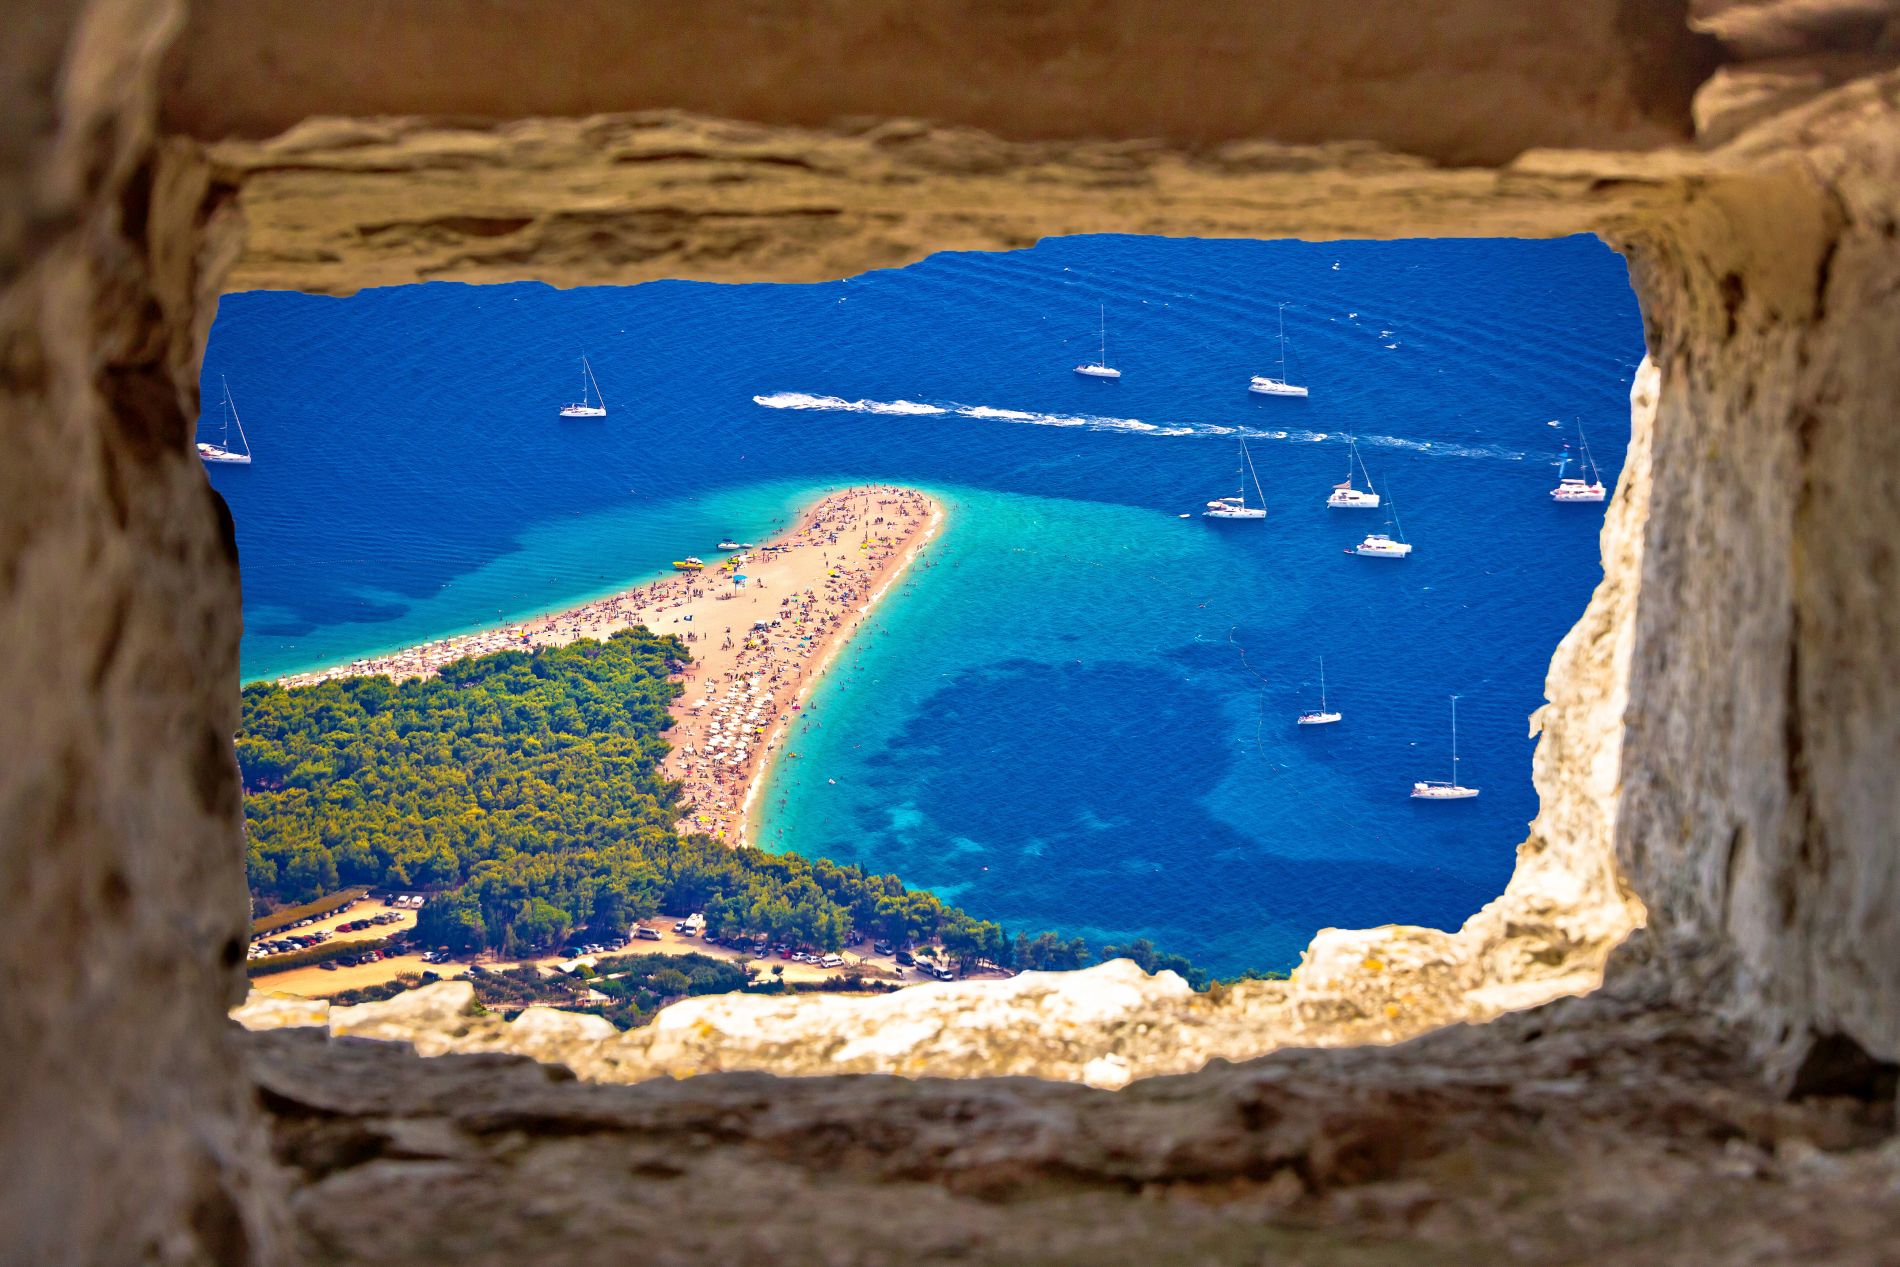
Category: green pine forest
<point>523,792</point>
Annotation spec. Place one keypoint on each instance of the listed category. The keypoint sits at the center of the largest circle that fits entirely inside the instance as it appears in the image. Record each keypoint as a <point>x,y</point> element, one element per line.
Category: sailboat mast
<point>1255,474</point>
<point>1283,343</point>
<point>599,398</point>
<point>1393,502</point>
<point>1104,312</point>
<point>1583,443</point>
<point>231,415</point>
<point>1322,684</point>
<point>1454,740</point>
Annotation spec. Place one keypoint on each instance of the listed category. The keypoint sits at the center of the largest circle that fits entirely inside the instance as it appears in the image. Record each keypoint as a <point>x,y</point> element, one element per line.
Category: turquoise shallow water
<point>1078,714</point>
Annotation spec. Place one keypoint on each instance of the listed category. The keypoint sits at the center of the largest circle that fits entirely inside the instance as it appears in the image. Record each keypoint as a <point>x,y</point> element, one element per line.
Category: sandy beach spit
<point>762,624</point>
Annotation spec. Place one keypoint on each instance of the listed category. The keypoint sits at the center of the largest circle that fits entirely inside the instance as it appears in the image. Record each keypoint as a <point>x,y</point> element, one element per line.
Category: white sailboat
<point>1572,488</point>
<point>1319,716</point>
<point>1101,368</point>
<point>1236,507</point>
<point>1344,495</point>
<point>589,406</point>
<point>1266,384</point>
<point>222,450</point>
<point>1378,545</point>
<point>1432,789</point>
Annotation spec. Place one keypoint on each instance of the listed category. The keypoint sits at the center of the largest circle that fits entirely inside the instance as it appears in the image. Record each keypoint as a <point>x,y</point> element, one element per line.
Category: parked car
<point>883,947</point>
<point>328,965</point>
<point>906,958</point>
<point>647,934</point>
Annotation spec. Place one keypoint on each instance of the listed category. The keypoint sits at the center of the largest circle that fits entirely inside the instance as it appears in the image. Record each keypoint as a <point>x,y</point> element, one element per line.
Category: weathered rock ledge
<point>1605,1133</point>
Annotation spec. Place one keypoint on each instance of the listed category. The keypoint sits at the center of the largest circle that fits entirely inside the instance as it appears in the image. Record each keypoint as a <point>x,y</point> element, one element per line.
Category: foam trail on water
<point>1126,426</point>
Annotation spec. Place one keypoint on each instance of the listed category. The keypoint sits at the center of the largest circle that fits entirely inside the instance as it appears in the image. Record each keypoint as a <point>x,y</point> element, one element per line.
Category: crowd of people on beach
<point>762,625</point>
<point>735,716</point>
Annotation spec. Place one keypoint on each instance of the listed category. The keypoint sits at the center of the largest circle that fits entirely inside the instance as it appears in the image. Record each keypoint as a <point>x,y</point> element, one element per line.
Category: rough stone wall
<point>1475,82</point>
<point>125,1130</point>
<point>1761,810</point>
<point>1722,723</point>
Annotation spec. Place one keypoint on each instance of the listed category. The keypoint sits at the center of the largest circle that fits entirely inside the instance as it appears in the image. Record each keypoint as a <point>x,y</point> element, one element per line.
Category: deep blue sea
<point>1078,713</point>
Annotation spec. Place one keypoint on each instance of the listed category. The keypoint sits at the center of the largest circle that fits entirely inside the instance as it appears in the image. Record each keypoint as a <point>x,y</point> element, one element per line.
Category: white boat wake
<point>1100,422</point>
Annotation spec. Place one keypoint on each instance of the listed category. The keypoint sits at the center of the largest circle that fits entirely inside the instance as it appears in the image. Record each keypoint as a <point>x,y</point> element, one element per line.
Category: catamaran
<point>1101,368</point>
<point>1378,545</point>
<point>1319,716</point>
<point>1236,507</point>
<point>1266,384</point>
<point>590,406</point>
<point>1345,496</point>
<point>1432,789</point>
<point>1572,488</point>
<point>222,451</point>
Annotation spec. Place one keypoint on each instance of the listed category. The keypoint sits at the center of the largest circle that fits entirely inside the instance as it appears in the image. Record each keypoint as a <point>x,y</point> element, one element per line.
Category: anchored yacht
<point>1379,545</point>
<point>222,450</point>
<point>1432,789</point>
<point>589,406</point>
<point>1270,385</point>
<point>1344,495</point>
<point>1319,716</point>
<point>1101,368</point>
<point>1572,488</point>
<point>1236,507</point>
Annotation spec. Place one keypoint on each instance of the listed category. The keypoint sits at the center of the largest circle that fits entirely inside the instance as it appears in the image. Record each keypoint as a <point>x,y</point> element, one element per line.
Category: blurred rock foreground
<point>1673,1039</point>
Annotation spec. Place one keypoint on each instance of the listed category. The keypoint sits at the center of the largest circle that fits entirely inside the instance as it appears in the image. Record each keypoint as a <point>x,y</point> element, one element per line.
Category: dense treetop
<point>523,791</point>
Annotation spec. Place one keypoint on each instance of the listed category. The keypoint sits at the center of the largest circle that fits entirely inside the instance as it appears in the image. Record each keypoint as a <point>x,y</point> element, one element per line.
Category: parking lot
<point>369,919</point>
<point>315,980</point>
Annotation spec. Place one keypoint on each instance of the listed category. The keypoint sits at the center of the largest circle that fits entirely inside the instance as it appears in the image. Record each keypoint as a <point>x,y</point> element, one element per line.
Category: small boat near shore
<point>1100,368</point>
<point>1452,790</point>
<point>1320,716</point>
<point>222,452</point>
<point>1236,507</point>
<point>691,563</point>
<point>1270,385</point>
<point>592,405</point>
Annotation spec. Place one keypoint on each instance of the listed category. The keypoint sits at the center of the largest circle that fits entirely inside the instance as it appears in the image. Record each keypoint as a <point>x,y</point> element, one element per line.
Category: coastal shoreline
<point>821,664</point>
<point>793,607</point>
